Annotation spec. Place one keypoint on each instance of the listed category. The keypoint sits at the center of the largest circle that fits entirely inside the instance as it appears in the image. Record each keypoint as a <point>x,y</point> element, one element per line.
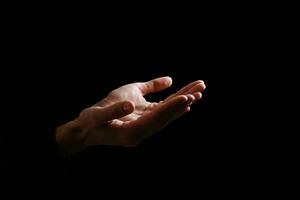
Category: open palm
<point>126,118</point>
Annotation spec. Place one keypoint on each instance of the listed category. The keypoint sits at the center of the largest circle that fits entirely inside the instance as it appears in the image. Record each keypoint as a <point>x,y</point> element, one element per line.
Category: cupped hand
<point>126,118</point>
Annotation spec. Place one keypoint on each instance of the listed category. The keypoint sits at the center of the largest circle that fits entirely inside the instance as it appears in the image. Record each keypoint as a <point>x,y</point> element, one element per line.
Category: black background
<point>54,68</point>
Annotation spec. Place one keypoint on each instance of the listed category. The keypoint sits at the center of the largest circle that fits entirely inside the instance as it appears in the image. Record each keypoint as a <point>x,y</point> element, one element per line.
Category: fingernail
<point>127,107</point>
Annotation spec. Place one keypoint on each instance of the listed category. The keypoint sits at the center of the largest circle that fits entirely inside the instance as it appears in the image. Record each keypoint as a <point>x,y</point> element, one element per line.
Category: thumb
<point>101,115</point>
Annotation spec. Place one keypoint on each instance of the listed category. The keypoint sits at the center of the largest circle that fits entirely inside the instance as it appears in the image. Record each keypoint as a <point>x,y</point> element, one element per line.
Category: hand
<point>125,118</point>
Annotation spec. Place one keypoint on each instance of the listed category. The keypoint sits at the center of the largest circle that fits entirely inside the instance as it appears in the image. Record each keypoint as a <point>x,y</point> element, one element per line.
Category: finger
<point>187,109</point>
<point>155,85</point>
<point>197,96</point>
<point>100,115</point>
<point>197,88</point>
<point>185,89</point>
<point>157,119</point>
<point>191,98</point>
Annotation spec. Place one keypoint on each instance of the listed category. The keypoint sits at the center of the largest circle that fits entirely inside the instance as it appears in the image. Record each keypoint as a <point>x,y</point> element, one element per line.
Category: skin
<point>125,117</point>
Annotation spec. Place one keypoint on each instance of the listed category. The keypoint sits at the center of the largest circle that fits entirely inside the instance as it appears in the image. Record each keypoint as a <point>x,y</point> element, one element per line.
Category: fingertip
<point>197,95</point>
<point>190,97</point>
<point>168,80</point>
<point>200,87</point>
<point>203,86</point>
<point>184,98</point>
<point>128,106</point>
<point>198,82</point>
<point>187,109</point>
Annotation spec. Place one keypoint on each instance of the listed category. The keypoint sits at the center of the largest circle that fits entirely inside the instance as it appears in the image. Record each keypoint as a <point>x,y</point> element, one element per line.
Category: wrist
<point>70,138</point>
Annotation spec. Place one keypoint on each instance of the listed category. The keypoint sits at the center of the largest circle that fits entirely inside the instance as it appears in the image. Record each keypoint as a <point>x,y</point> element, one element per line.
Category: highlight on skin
<point>125,117</point>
